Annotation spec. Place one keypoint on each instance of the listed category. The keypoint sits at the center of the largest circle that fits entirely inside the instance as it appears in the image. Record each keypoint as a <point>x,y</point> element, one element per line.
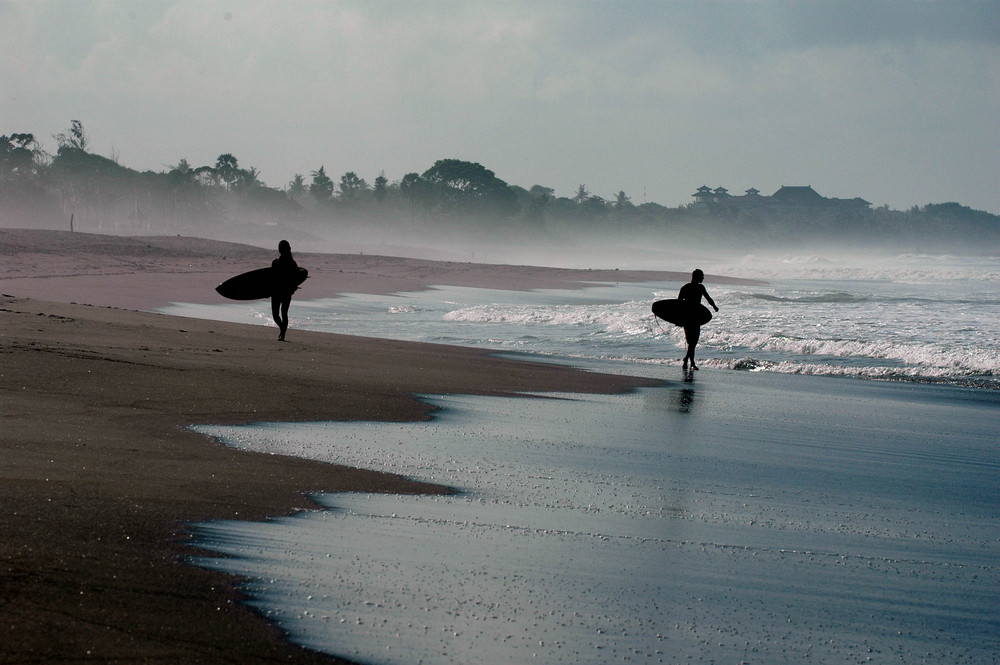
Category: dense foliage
<point>78,188</point>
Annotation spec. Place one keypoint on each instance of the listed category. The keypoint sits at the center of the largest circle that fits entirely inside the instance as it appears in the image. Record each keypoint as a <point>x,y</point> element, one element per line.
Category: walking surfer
<point>285,273</point>
<point>692,293</point>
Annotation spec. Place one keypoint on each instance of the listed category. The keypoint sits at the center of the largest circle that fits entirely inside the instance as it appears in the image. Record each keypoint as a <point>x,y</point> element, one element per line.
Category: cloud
<point>895,102</point>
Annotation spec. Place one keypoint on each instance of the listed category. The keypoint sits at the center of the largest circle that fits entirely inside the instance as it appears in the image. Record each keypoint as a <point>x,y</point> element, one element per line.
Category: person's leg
<point>276,310</point>
<point>692,333</point>
<point>283,324</point>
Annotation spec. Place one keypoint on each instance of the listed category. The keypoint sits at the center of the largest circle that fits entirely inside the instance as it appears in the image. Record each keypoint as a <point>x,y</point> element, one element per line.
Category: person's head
<point>697,276</point>
<point>284,247</point>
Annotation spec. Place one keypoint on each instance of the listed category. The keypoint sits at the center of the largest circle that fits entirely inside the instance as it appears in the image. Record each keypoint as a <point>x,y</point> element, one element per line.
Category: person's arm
<point>711,302</point>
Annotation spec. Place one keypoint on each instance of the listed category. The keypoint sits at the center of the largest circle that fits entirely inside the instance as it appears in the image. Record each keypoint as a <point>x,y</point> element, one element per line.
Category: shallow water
<point>755,518</point>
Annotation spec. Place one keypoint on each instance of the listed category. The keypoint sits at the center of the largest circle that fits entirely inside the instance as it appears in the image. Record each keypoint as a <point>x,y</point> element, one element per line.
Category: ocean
<point>826,489</point>
<point>909,318</point>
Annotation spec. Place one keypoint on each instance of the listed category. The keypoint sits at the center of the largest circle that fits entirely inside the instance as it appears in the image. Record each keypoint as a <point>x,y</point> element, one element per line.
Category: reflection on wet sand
<point>647,526</point>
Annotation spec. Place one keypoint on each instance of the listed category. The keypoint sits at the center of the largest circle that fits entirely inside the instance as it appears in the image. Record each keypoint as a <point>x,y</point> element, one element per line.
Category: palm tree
<point>322,186</point>
<point>297,186</point>
<point>248,178</point>
<point>228,170</point>
<point>622,200</point>
<point>351,186</point>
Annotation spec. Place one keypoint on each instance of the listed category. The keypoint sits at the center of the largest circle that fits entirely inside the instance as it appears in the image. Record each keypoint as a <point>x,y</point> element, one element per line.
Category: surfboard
<point>257,284</point>
<point>682,312</point>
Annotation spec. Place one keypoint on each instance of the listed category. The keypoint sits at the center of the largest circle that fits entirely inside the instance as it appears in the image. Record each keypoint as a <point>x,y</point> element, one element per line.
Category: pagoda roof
<point>797,194</point>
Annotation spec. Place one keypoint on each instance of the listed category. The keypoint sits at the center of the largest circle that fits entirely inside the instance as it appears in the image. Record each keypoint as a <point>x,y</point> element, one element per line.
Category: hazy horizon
<point>895,103</point>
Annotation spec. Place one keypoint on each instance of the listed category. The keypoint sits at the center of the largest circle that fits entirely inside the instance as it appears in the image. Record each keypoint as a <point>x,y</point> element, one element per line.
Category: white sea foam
<point>916,355</point>
<point>902,319</point>
<point>783,335</point>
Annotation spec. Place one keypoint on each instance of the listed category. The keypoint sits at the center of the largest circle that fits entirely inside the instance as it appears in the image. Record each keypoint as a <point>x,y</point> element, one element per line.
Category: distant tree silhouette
<point>381,189</point>
<point>352,187</point>
<point>44,191</point>
<point>76,138</point>
<point>540,198</point>
<point>25,193</point>
<point>537,191</point>
<point>247,179</point>
<point>227,168</point>
<point>297,190</point>
<point>417,191</point>
<point>463,186</point>
<point>182,167</point>
<point>322,185</point>
<point>297,185</point>
<point>20,157</point>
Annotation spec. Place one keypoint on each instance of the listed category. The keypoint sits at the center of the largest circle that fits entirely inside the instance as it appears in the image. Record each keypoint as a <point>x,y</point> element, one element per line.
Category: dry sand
<point>147,272</point>
<point>99,477</point>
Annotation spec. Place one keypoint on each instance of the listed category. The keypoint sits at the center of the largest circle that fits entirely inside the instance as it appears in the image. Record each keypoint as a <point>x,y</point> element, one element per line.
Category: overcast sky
<point>896,102</point>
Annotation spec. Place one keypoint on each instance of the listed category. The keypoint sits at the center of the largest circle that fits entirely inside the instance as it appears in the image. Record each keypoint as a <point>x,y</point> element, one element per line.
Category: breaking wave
<point>873,336</point>
<point>921,374</point>
<point>916,354</point>
<point>838,297</point>
<point>933,331</point>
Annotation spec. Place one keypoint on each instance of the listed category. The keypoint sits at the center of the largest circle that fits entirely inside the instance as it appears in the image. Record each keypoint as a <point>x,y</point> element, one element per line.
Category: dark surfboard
<point>682,312</point>
<point>258,284</point>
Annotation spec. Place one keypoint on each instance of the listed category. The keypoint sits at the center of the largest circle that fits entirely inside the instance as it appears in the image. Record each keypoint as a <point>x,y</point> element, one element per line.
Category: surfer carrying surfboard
<point>285,273</point>
<point>692,294</point>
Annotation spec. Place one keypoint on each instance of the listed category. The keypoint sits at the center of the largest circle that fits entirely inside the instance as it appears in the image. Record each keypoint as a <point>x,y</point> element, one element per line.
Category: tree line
<point>96,193</point>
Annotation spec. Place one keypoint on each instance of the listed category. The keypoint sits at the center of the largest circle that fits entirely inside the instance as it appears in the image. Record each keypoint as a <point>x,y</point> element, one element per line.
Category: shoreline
<point>101,478</point>
<point>101,475</point>
<point>147,272</point>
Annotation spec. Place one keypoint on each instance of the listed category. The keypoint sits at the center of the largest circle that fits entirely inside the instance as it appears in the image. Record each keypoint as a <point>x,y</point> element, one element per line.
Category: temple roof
<point>797,194</point>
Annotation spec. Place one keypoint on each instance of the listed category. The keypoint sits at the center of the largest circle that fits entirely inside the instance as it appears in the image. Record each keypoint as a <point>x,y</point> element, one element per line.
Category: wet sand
<point>100,477</point>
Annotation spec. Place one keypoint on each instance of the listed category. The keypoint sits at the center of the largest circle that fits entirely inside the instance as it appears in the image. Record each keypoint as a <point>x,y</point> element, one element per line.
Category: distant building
<point>788,196</point>
<point>798,196</point>
<point>703,197</point>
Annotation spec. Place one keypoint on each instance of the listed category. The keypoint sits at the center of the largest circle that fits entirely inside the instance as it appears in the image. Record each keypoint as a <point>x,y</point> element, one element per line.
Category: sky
<point>897,102</point>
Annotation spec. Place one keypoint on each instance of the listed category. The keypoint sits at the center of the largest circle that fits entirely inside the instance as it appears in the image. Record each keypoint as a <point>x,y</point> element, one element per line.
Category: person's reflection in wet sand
<point>685,399</point>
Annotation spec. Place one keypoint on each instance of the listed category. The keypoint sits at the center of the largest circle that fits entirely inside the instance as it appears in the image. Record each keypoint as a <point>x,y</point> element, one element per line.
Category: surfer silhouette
<point>285,271</point>
<point>693,292</point>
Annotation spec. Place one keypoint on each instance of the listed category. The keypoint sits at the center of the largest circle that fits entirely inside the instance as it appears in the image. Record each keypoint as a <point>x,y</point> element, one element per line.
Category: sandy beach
<point>817,518</point>
<point>100,476</point>
<point>144,273</point>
